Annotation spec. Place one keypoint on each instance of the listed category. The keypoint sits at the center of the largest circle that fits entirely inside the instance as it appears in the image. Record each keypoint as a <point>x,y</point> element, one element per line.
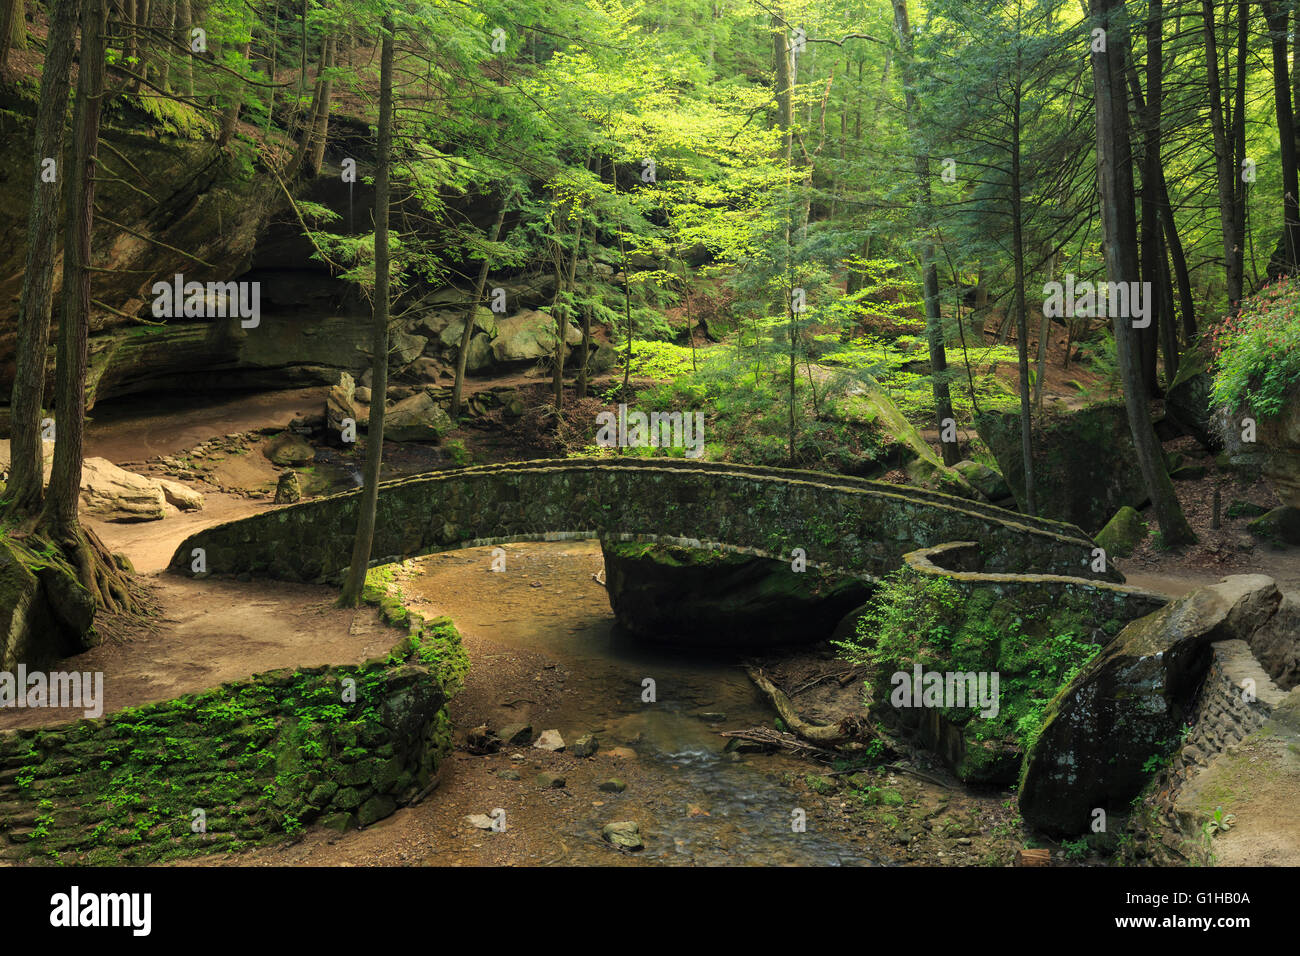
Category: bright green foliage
<point>923,619</point>
<point>1257,354</point>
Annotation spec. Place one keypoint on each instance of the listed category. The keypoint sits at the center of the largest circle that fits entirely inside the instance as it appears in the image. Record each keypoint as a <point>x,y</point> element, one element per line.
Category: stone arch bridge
<point>862,528</point>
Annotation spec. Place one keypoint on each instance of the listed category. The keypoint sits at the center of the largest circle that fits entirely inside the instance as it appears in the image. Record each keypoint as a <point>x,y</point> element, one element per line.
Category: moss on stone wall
<point>260,758</point>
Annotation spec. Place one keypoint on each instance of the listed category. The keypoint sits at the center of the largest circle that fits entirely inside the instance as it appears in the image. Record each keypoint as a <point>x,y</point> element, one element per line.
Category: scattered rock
<point>480,820</point>
<point>549,740</point>
<point>612,785</point>
<point>287,489</point>
<point>585,746</point>
<point>480,740</point>
<point>516,734</point>
<point>550,781</point>
<point>180,496</point>
<point>418,418</point>
<point>625,834</point>
<point>289,449</point>
<point>508,774</point>
<point>989,483</point>
<point>1244,509</point>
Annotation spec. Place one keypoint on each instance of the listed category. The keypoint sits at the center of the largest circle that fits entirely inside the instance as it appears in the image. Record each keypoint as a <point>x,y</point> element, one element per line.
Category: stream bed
<point>695,803</point>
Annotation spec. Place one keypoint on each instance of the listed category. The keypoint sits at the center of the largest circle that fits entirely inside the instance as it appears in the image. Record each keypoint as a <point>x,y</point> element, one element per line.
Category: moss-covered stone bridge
<point>857,527</point>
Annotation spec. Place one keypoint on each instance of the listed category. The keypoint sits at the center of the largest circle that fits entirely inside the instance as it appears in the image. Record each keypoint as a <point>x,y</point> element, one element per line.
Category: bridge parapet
<point>848,525</point>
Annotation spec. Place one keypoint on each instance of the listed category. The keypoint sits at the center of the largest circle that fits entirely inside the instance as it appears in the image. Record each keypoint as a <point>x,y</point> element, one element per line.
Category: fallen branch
<point>831,734</point>
<point>782,741</point>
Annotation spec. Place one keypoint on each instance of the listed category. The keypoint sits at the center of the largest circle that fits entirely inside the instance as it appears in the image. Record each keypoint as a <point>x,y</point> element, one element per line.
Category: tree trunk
<point>13,29</point>
<point>184,23</point>
<point>1152,210</point>
<point>356,579</point>
<point>231,114</point>
<point>320,133</point>
<point>1229,172</point>
<point>467,333</point>
<point>25,490</point>
<point>929,268</point>
<point>1022,318</point>
<point>60,514</point>
<point>562,310</point>
<point>1277,25</point>
<point>1119,223</point>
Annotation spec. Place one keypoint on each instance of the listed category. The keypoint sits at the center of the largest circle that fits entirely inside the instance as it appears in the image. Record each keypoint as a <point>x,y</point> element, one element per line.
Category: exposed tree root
<point>845,732</point>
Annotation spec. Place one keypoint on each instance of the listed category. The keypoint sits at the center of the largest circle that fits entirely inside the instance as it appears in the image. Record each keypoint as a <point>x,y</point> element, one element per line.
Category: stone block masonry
<point>851,526</point>
<point>248,762</point>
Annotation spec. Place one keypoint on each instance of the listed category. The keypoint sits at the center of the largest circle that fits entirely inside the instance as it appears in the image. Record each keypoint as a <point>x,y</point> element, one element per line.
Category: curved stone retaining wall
<point>962,562</point>
<point>244,763</point>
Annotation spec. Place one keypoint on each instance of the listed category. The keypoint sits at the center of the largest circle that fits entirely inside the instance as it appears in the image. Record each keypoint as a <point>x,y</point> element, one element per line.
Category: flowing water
<point>695,802</point>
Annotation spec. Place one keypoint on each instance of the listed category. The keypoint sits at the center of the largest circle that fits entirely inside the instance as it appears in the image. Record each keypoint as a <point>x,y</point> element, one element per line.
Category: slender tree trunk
<point>929,268</point>
<point>184,23</point>
<point>60,515</point>
<point>627,310</point>
<point>13,29</point>
<point>1119,222</point>
<point>1226,152</point>
<point>1022,309</point>
<point>231,114</point>
<point>1181,273</point>
<point>356,579</point>
<point>467,333</point>
<point>1152,210</point>
<point>1277,25</point>
<point>320,134</point>
<point>25,490</point>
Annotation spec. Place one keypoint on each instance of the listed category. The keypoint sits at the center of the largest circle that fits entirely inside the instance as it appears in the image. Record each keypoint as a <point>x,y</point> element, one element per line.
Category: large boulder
<point>529,335</point>
<point>1085,464</point>
<point>484,321</point>
<point>670,594</point>
<point>991,485</point>
<point>479,355</point>
<point>404,347</point>
<point>341,403</point>
<point>1127,706</point>
<point>1187,400</point>
<point>1122,533</point>
<point>1275,450</point>
<point>889,441</point>
<point>418,418</point>
<point>114,494</point>
<point>1281,525</point>
<point>1280,438</point>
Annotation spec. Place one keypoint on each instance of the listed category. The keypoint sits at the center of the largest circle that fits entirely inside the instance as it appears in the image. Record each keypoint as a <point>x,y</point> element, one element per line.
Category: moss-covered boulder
<point>1281,525</point>
<point>991,485</point>
<point>1122,533</point>
<point>671,594</point>
<point>891,441</point>
<point>1085,465</point>
<point>1109,729</point>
